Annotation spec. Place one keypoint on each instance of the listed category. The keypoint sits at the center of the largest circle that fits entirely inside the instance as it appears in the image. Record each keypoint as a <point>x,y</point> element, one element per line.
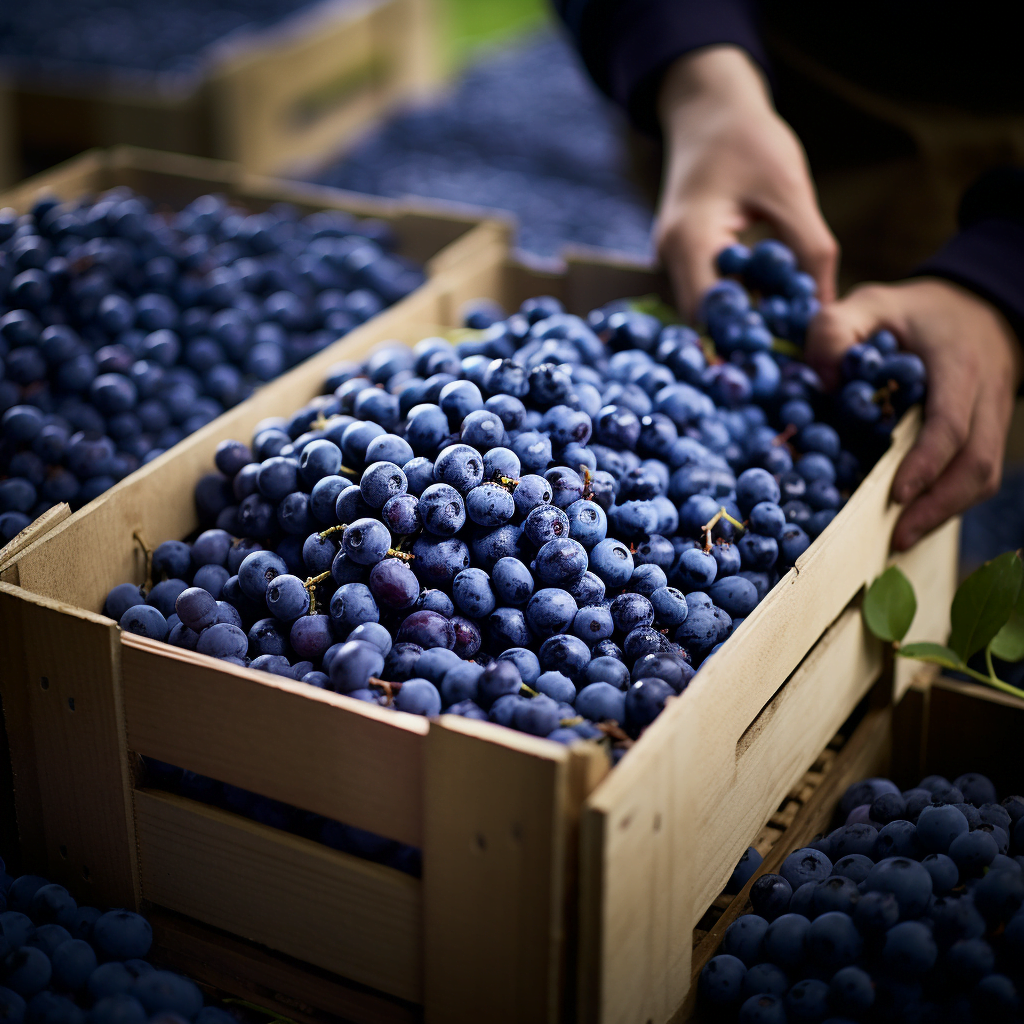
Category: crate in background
<point>941,726</point>
<point>271,99</point>
<point>551,891</point>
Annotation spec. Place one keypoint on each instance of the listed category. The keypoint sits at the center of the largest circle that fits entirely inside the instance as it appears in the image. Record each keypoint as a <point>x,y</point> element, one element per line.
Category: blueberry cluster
<point>910,911</point>
<point>550,524</point>
<point>880,382</point>
<point>65,964</point>
<point>54,36</point>
<point>124,328</point>
<point>497,140</point>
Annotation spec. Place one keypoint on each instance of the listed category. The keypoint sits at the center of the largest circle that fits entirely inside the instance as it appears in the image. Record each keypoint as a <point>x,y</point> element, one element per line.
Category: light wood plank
<point>784,739</point>
<point>931,566</point>
<point>347,915</point>
<point>351,761</point>
<point>34,531</point>
<point>65,723</point>
<point>493,874</point>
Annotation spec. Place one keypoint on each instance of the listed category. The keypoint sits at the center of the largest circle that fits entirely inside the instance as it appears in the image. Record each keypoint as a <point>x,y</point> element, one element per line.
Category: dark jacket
<point>855,88</point>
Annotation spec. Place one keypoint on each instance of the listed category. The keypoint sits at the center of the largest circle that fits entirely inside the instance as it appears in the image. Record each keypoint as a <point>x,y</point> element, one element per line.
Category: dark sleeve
<point>628,45</point>
<point>987,253</point>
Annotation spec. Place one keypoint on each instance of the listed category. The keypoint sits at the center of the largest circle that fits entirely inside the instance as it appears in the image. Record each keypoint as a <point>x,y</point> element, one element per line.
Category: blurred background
<point>477,102</point>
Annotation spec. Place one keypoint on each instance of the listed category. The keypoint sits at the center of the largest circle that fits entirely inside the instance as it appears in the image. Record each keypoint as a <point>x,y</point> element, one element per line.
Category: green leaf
<point>889,605</point>
<point>1008,644</point>
<point>935,653</point>
<point>983,603</point>
<point>654,306</point>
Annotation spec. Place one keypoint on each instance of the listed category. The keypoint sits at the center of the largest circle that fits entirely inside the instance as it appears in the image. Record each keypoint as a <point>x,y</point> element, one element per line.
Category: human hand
<point>731,161</point>
<point>973,360</point>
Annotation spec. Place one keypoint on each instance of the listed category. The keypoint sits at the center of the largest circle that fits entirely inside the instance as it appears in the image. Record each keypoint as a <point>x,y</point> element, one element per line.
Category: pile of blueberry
<point>65,964</point>
<point>123,328</point>
<point>910,911</point>
<point>61,36</point>
<point>498,140</point>
<point>550,523</point>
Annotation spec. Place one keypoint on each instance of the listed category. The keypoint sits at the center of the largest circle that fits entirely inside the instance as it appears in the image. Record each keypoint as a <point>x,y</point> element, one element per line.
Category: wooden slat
<point>34,531</point>
<point>634,866</point>
<point>239,969</point>
<point>931,565</point>
<point>317,750</point>
<point>345,914</point>
<point>65,725</point>
<point>493,874</point>
<point>777,747</point>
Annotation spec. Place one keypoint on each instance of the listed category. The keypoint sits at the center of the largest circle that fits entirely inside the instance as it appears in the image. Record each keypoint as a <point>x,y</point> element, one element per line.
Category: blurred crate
<point>551,890</point>
<point>271,99</point>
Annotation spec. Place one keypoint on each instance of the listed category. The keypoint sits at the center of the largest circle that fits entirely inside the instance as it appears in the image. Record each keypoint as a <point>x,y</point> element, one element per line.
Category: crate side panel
<point>342,913</point>
<point>319,751</point>
<point>972,727</point>
<point>783,741</point>
<point>65,721</point>
<point>931,566</point>
<point>297,97</point>
<point>634,959</point>
<point>493,870</point>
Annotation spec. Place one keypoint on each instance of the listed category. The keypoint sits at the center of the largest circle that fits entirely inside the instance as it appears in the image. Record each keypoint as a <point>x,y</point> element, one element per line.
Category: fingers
<point>950,412</point>
<point>689,239</point>
<point>842,324</point>
<point>801,226</point>
<point>972,476</point>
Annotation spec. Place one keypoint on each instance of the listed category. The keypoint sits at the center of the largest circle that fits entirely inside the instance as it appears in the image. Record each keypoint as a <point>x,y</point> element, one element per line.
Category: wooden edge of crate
<point>236,969</point>
<point>65,726</point>
<point>865,753</point>
<point>34,531</point>
<point>496,823</point>
<point>317,750</point>
<point>343,913</point>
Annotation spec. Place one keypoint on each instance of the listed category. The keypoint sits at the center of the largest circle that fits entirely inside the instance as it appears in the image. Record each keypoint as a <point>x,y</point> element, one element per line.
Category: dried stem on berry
<point>310,585</point>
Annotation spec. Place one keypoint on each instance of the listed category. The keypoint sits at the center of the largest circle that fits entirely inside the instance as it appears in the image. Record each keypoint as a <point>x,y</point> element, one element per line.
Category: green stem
<point>991,680</point>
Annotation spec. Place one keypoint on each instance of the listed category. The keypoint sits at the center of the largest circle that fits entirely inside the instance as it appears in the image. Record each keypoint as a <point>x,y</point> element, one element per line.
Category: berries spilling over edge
<point>124,328</point>
<point>913,909</point>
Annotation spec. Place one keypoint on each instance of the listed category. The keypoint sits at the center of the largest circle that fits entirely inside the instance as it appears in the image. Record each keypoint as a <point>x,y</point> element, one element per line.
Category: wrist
<point>721,75</point>
<point>993,321</point>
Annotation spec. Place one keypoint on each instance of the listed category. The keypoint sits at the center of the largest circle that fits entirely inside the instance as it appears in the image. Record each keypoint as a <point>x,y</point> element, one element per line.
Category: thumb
<point>840,325</point>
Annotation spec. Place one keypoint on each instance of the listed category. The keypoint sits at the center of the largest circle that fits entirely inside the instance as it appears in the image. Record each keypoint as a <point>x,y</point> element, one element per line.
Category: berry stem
<point>331,530</point>
<point>147,552</point>
<point>405,556</point>
<point>310,585</point>
<point>528,691</point>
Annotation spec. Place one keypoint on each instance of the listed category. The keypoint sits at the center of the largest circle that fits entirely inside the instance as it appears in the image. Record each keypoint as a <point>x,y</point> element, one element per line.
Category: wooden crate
<point>551,890</point>
<point>278,98</point>
<point>940,726</point>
